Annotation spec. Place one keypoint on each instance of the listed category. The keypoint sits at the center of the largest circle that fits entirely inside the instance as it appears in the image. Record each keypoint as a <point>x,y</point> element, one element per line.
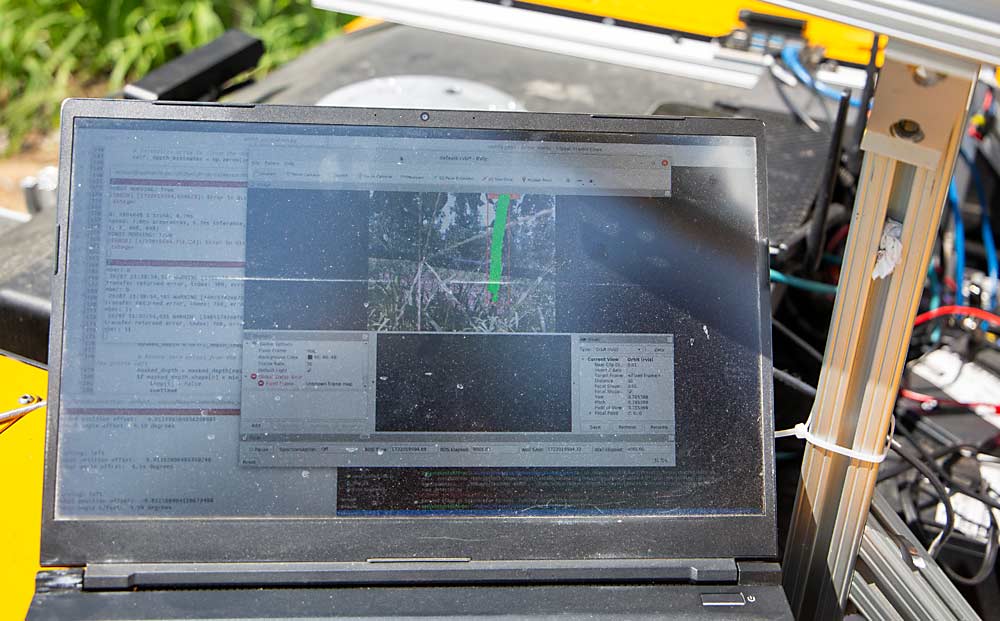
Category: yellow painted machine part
<point>720,17</point>
<point>712,19</point>
<point>22,448</point>
<point>360,23</point>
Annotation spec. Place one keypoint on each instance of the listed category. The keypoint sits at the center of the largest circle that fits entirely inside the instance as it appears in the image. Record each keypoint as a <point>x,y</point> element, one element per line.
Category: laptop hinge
<point>112,576</point>
<point>759,572</point>
<point>55,580</point>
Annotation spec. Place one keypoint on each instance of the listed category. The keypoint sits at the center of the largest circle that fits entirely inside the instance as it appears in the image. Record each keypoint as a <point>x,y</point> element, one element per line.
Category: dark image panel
<point>636,264</point>
<point>537,491</point>
<point>304,305</point>
<point>473,383</point>
<point>618,309</point>
<point>616,239</point>
<point>314,234</point>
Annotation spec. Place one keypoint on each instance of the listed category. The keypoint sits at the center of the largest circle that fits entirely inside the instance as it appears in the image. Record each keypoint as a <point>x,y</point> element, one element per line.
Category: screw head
<point>26,399</point>
<point>908,129</point>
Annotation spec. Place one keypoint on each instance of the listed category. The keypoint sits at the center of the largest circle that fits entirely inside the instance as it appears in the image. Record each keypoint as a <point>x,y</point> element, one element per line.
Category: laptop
<point>318,363</point>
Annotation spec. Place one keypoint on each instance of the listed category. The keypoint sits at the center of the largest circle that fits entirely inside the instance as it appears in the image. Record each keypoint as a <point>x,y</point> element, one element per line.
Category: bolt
<point>907,129</point>
<point>26,399</point>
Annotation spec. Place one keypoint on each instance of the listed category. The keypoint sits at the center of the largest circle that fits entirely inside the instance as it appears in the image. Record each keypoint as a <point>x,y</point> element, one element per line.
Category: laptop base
<point>60,596</point>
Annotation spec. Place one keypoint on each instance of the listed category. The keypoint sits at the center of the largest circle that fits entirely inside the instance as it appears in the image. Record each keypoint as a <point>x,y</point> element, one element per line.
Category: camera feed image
<point>461,262</point>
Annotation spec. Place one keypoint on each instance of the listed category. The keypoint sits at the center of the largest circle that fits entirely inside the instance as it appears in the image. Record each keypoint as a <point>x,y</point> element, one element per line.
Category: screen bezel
<point>76,541</point>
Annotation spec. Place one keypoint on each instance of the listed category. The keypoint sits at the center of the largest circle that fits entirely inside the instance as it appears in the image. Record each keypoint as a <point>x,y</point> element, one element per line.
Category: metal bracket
<point>911,144</point>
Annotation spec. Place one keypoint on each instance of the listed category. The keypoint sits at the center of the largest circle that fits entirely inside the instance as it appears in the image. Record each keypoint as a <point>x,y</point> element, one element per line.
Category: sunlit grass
<point>53,49</point>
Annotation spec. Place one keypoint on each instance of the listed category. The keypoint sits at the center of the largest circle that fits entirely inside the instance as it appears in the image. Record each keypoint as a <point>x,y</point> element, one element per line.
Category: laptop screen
<point>288,320</point>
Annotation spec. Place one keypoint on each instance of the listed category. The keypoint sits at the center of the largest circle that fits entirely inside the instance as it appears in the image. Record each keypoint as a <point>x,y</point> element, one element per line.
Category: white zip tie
<point>802,432</point>
<point>21,411</point>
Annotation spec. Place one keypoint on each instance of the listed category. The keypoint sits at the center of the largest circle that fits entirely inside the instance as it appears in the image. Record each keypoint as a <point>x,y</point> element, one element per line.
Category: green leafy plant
<point>53,49</point>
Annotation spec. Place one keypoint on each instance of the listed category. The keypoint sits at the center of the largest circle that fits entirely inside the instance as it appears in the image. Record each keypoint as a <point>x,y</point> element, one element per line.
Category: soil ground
<point>44,152</point>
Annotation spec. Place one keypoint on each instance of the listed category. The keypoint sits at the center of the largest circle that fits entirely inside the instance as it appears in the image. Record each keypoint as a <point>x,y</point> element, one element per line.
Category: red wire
<point>946,311</point>
<point>836,238</point>
<point>965,311</point>
<point>920,397</point>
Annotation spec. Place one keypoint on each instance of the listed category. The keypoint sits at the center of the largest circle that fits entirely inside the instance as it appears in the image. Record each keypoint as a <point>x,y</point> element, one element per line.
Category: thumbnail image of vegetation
<point>430,263</point>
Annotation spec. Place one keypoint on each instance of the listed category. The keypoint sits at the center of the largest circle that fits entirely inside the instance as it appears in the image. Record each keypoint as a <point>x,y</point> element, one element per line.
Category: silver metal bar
<point>964,28</point>
<point>931,572</point>
<point>902,586</point>
<point>700,60</point>
<point>870,602</point>
<point>904,177</point>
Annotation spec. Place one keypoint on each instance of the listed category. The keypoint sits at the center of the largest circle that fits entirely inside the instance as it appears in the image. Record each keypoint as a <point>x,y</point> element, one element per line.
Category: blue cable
<point>790,55</point>
<point>802,283</point>
<point>987,230</point>
<point>956,214</point>
<point>935,300</point>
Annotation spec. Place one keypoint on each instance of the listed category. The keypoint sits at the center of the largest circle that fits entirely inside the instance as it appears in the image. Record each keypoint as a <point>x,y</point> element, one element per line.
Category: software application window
<point>324,399</point>
<point>325,321</point>
<point>403,325</point>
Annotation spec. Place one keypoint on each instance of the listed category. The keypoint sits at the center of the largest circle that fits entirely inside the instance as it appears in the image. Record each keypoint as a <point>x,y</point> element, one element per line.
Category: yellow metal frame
<point>720,17</point>
<point>22,452</point>
<point>717,19</point>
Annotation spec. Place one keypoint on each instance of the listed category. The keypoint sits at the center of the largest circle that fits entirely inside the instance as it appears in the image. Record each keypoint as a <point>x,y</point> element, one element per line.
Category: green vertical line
<point>496,245</point>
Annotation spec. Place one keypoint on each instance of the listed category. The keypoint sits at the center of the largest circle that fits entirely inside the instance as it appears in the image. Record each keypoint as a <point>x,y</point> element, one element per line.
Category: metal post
<point>916,124</point>
<point>897,578</point>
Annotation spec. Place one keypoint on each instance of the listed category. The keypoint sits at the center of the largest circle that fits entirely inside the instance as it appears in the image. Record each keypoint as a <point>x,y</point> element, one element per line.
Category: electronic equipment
<point>490,75</point>
<point>313,361</point>
<point>201,73</point>
<point>28,259</point>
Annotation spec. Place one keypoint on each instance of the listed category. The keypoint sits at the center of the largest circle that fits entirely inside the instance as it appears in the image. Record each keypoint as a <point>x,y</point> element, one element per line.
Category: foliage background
<point>53,49</point>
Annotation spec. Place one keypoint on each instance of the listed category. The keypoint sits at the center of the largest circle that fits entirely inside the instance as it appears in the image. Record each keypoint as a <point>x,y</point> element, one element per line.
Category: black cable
<point>802,325</point>
<point>798,340</point>
<point>793,382</point>
<point>924,466</point>
<point>909,510</point>
<point>885,474</point>
<point>861,121</point>
<point>817,229</point>
<point>989,559</point>
<point>957,538</point>
<point>924,455</point>
<point>955,483</point>
<point>796,110</point>
<point>949,511</point>
<point>969,491</point>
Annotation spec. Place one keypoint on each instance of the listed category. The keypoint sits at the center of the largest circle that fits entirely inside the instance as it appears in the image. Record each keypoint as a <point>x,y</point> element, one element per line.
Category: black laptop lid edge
<point>79,542</point>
